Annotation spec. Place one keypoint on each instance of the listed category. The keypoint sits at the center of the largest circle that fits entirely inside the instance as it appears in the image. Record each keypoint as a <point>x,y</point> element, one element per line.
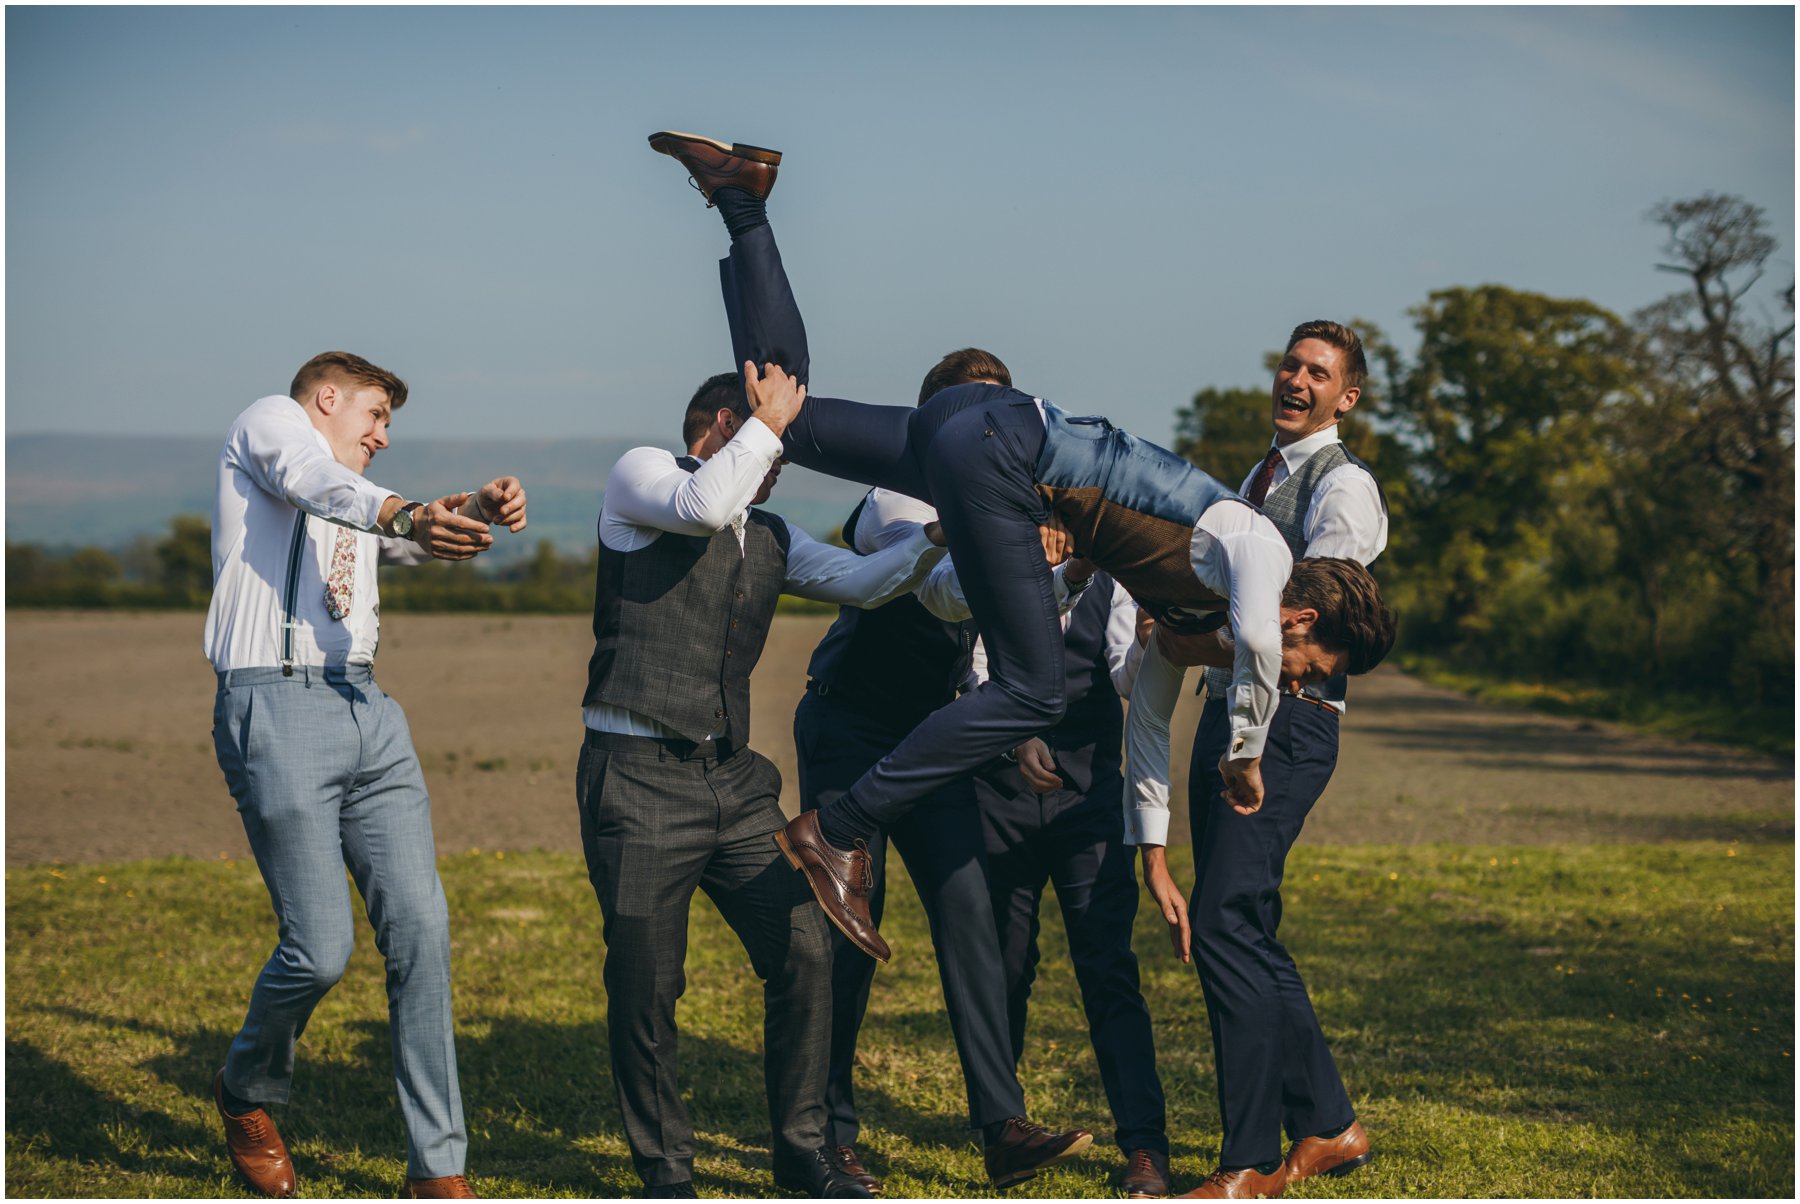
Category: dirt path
<point>109,757</point>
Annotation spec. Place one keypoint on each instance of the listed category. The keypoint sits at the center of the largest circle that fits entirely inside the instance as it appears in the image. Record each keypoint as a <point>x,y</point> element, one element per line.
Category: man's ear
<point>1348,401</point>
<point>1298,622</point>
<point>725,421</point>
<point>326,398</point>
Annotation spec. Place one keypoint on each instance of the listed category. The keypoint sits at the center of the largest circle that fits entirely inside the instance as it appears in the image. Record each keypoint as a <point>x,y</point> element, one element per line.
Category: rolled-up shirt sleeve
<point>1153,698</point>
<point>275,445</point>
<point>826,573</point>
<point>1237,552</point>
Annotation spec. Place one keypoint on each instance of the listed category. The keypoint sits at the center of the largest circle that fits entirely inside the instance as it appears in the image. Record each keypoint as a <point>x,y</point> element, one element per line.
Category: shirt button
<point>728,651</point>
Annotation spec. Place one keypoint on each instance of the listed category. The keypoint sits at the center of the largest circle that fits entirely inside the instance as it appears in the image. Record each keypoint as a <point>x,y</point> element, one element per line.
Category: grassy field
<point>1544,1020</point>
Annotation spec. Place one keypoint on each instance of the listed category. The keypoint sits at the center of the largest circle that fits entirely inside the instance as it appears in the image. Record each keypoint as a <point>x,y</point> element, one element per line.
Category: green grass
<point>1543,1021</point>
<point>1762,729</point>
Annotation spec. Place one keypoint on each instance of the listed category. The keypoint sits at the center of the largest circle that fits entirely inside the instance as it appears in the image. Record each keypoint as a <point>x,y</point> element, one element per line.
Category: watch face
<point>403,522</point>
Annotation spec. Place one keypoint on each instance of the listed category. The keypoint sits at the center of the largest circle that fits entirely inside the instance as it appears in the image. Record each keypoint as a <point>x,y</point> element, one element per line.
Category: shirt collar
<point>1296,454</point>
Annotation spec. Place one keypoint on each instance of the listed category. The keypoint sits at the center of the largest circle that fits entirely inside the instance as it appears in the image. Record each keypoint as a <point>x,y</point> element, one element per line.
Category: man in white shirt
<point>1275,1071</point>
<point>672,797</point>
<point>319,759</point>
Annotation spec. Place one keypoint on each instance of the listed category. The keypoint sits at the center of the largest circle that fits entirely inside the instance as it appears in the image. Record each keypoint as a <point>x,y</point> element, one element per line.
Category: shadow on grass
<point>537,1096</point>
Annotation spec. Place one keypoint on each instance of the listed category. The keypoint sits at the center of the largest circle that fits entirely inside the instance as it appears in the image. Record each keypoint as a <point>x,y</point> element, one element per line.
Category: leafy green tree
<point>1501,405</point>
<point>186,558</point>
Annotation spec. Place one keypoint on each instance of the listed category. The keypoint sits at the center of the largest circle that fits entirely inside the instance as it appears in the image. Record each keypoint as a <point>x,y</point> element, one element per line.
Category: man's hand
<point>1243,784</point>
<point>499,503</point>
<point>1059,545</point>
<point>774,396</point>
<point>1078,574</point>
<point>1186,650</point>
<point>1168,899</point>
<point>1037,766</point>
<point>1145,625</point>
<point>447,535</point>
<point>934,531</point>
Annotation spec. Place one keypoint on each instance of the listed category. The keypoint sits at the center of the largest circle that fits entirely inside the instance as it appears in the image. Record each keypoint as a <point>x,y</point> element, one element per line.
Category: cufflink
<point>1237,746</point>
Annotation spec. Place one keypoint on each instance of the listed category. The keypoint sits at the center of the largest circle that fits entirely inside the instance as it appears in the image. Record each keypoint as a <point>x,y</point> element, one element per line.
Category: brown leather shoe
<point>449,1187</point>
<point>1244,1184</point>
<point>1023,1149</point>
<point>1328,1155</point>
<point>840,881</point>
<point>713,164</point>
<point>1146,1175</point>
<point>256,1149</point>
<point>844,1158</point>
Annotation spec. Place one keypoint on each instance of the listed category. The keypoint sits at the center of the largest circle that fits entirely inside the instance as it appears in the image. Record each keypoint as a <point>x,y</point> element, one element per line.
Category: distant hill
<point>105,490</point>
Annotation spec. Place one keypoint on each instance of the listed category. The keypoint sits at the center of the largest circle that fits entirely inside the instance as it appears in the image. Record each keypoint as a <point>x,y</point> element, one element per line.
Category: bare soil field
<point>109,753</point>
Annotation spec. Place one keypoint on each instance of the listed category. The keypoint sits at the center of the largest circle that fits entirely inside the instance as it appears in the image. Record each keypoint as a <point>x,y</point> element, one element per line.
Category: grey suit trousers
<point>656,825</point>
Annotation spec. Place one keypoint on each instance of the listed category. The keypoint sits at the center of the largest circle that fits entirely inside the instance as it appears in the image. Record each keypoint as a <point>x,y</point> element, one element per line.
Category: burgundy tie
<point>1265,476</point>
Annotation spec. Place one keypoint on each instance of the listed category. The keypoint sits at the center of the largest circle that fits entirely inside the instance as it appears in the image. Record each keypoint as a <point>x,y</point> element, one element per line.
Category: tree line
<point>1580,497</point>
<point>1575,496</point>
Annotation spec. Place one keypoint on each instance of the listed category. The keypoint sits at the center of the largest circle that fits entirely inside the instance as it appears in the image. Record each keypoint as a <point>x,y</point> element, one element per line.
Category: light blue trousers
<point>323,770</point>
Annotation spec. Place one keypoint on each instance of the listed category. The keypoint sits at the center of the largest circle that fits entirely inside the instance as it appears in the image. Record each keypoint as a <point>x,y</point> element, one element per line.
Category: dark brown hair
<point>961,367</point>
<point>1352,616</point>
<point>1356,365</point>
<point>722,392</point>
<point>341,367</point>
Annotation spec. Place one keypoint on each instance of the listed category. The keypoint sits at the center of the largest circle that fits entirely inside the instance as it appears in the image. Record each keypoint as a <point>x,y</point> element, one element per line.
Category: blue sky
<point>1126,204</point>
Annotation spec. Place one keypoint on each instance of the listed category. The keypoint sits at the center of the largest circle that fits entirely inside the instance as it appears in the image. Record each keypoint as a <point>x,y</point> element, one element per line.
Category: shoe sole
<point>1336,1172</point>
<point>743,150</point>
<point>793,859</point>
<point>1079,1147</point>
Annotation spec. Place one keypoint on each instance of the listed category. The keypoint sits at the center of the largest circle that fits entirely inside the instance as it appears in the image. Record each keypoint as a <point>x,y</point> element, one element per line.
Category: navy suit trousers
<point>941,843</point>
<point>1274,1067</point>
<point>1075,839</point>
<point>972,452</point>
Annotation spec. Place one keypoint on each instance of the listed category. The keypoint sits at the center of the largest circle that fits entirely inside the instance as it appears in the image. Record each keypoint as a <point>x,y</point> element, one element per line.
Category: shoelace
<point>862,869</point>
<point>255,1126</point>
<point>1141,1164</point>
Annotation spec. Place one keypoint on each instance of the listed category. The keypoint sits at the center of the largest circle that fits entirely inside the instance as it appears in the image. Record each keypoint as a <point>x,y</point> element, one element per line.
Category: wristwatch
<point>402,524</point>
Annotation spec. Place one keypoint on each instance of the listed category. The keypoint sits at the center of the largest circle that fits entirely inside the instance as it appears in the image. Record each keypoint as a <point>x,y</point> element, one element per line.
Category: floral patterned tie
<point>342,575</point>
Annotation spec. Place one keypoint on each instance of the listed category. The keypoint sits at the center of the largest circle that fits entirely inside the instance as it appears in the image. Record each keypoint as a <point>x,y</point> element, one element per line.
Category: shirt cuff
<point>1147,825</point>
<point>1247,742</point>
<point>761,438</point>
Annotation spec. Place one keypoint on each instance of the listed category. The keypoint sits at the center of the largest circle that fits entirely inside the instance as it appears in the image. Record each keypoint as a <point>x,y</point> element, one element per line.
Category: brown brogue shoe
<point>256,1149</point>
<point>845,1159</point>
<point>713,164</point>
<point>1023,1149</point>
<point>1328,1155</point>
<point>448,1187</point>
<point>840,881</point>
<point>1146,1175</point>
<point>1245,1184</point>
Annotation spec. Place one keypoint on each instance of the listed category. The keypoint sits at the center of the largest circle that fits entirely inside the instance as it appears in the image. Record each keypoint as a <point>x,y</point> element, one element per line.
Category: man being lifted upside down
<point>1000,464</point>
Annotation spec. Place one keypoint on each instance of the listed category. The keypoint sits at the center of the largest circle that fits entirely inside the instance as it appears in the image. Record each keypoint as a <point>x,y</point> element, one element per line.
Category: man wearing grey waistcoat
<point>320,759</point>
<point>672,798</point>
<point>1275,1070</point>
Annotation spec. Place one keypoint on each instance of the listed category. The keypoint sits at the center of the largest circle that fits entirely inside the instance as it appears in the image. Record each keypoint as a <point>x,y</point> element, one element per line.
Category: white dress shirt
<point>649,492</point>
<point>1236,551</point>
<point>888,517</point>
<point>1345,517</point>
<point>1123,652</point>
<point>276,471</point>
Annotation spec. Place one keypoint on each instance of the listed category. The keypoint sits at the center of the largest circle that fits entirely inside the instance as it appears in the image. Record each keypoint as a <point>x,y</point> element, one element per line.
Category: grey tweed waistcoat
<point>679,625</point>
<point>1286,506</point>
